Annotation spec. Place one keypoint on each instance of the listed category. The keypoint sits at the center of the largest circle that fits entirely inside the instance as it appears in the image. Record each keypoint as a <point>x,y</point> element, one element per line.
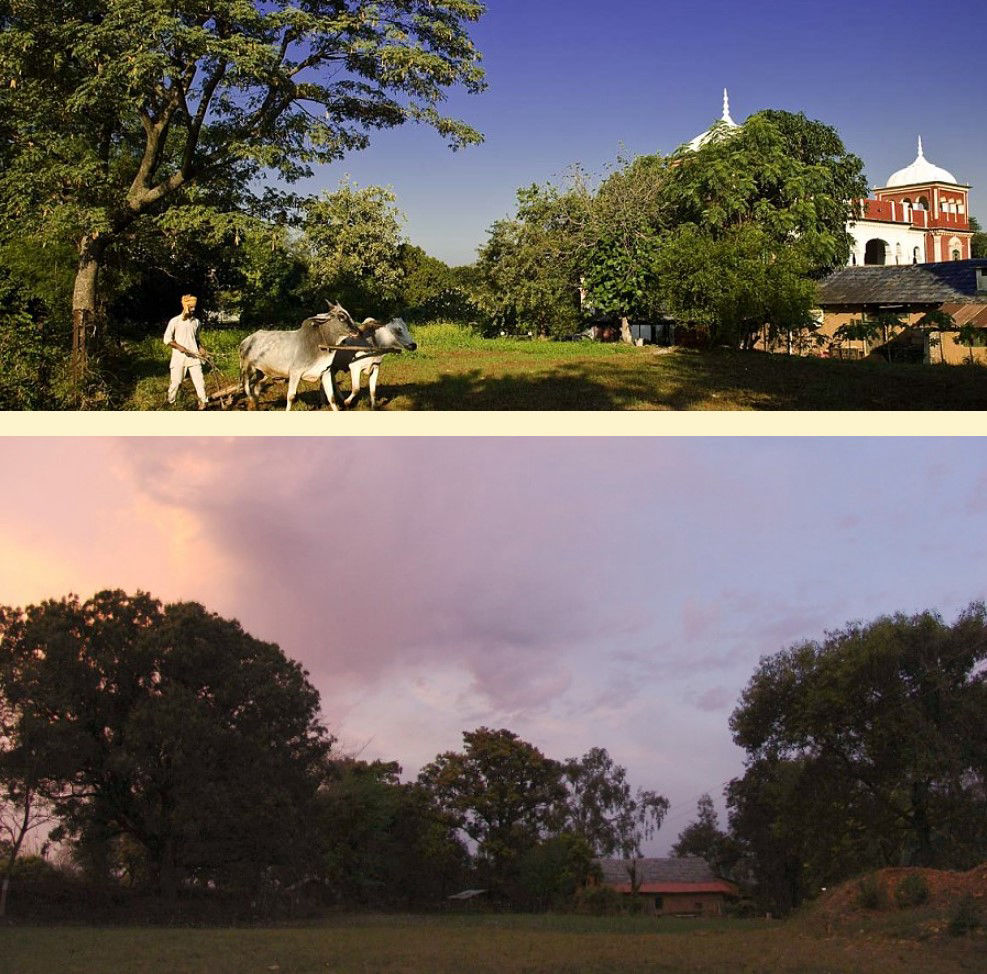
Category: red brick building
<point>921,216</point>
<point>683,886</point>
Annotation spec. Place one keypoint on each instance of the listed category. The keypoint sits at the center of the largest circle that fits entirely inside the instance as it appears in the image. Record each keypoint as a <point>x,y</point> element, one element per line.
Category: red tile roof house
<point>683,886</point>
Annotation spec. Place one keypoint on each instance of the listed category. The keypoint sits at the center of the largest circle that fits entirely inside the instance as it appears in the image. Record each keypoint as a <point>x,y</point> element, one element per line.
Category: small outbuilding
<point>957,287</point>
<point>684,886</point>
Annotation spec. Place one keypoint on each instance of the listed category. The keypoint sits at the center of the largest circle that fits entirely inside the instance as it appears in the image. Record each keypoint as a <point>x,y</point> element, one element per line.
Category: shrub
<point>965,916</point>
<point>598,901</point>
<point>913,890</point>
<point>871,895</point>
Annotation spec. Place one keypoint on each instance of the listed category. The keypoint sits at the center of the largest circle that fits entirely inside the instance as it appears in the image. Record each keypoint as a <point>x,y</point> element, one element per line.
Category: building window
<point>897,253</point>
<point>876,252</point>
<point>915,255</point>
<point>956,255</point>
<point>922,204</point>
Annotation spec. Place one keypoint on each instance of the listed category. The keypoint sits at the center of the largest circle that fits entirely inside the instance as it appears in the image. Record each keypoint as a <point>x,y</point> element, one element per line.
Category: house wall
<point>901,240</point>
<point>705,904</point>
<point>949,349</point>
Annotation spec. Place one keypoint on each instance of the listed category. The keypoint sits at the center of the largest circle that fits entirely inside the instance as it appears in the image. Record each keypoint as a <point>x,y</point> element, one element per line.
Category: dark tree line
<point>170,752</point>
<point>173,753</point>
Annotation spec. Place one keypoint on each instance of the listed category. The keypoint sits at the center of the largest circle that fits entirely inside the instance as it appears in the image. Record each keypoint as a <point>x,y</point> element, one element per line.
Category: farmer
<point>187,354</point>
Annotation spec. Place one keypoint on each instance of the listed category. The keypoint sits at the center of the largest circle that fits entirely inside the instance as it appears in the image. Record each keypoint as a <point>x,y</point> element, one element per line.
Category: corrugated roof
<point>684,869</point>
<point>967,314</point>
<point>954,281</point>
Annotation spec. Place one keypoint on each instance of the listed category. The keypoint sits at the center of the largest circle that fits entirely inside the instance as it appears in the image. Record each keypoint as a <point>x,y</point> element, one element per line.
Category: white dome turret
<point>700,140</point>
<point>920,171</point>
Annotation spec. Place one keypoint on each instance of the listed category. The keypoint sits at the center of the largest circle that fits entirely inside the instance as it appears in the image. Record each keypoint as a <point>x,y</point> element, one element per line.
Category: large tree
<point>356,239</point>
<point>115,111</point>
<point>868,748</point>
<point>788,175</point>
<point>531,267</point>
<point>499,790</point>
<point>738,286</point>
<point>600,807</point>
<point>752,216</point>
<point>630,213</point>
<point>169,728</point>
<point>703,837</point>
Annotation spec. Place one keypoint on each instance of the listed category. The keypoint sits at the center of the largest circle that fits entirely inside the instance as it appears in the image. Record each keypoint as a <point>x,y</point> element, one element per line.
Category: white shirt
<point>183,331</point>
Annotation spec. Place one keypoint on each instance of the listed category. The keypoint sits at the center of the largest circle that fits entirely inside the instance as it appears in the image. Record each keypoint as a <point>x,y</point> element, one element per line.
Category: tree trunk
<point>15,848</point>
<point>84,304</point>
<point>168,872</point>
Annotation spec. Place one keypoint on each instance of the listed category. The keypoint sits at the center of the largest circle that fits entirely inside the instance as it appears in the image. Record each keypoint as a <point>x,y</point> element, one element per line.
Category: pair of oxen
<point>324,345</point>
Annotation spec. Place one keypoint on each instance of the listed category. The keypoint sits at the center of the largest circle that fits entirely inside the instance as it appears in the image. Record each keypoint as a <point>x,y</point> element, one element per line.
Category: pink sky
<point>581,591</point>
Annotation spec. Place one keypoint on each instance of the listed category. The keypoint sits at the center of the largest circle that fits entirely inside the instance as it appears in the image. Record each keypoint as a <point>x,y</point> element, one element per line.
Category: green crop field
<point>482,944</point>
<point>456,370</point>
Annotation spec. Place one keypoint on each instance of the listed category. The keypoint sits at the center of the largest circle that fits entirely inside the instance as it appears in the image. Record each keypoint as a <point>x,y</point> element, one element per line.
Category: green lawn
<point>454,370</point>
<point>479,945</point>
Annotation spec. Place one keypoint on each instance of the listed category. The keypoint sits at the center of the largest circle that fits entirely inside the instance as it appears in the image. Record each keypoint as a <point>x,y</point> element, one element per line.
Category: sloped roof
<point>688,874</point>
<point>954,281</point>
<point>967,314</point>
<point>685,869</point>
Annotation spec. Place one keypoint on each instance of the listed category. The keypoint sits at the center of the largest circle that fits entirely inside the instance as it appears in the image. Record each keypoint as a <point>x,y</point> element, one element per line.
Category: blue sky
<point>579,591</point>
<point>579,82</point>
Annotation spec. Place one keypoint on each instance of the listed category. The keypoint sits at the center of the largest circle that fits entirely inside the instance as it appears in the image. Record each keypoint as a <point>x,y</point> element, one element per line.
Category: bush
<point>30,361</point>
<point>743,909</point>
<point>598,901</point>
<point>871,895</point>
<point>965,916</point>
<point>913,890</point>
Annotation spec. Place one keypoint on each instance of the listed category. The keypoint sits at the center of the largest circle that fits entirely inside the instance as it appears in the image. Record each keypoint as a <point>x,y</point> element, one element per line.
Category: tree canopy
<point>728,237</point>
<point>703,837</point>
<point>356,238</point>
<point>875,731</point>
<point>165,726</point>
<point>600,807</point>
<point>499,790</point>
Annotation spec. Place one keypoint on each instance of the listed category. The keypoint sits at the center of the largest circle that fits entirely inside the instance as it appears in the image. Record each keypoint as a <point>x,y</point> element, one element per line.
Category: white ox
<point>312,352</point>
<point>392,337</point>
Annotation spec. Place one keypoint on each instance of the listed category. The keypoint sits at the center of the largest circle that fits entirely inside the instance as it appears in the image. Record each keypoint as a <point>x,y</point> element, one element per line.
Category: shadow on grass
<point>569,387</point>
<point>682,383</point>
<point>721,379</point>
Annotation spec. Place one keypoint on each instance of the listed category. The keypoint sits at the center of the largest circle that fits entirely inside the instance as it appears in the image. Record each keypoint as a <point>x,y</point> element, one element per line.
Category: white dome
<point>920,171</point>
<point>700,140</point>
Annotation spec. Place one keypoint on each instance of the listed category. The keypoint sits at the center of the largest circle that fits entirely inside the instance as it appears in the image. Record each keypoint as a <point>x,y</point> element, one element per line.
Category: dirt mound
<point>945,887</point>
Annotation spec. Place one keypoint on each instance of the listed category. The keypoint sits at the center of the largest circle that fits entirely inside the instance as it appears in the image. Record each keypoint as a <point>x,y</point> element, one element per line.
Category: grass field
<point>456,370</point>
<point>481,945</point>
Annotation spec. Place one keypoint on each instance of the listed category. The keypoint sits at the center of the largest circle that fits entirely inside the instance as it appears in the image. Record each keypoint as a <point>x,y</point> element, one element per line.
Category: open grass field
<point>456,370</point>
<point>483,944</point>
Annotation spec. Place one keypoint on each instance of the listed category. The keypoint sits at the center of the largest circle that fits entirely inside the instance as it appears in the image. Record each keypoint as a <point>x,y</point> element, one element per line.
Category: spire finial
<point>725,117</point>
<point>920,153</point>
